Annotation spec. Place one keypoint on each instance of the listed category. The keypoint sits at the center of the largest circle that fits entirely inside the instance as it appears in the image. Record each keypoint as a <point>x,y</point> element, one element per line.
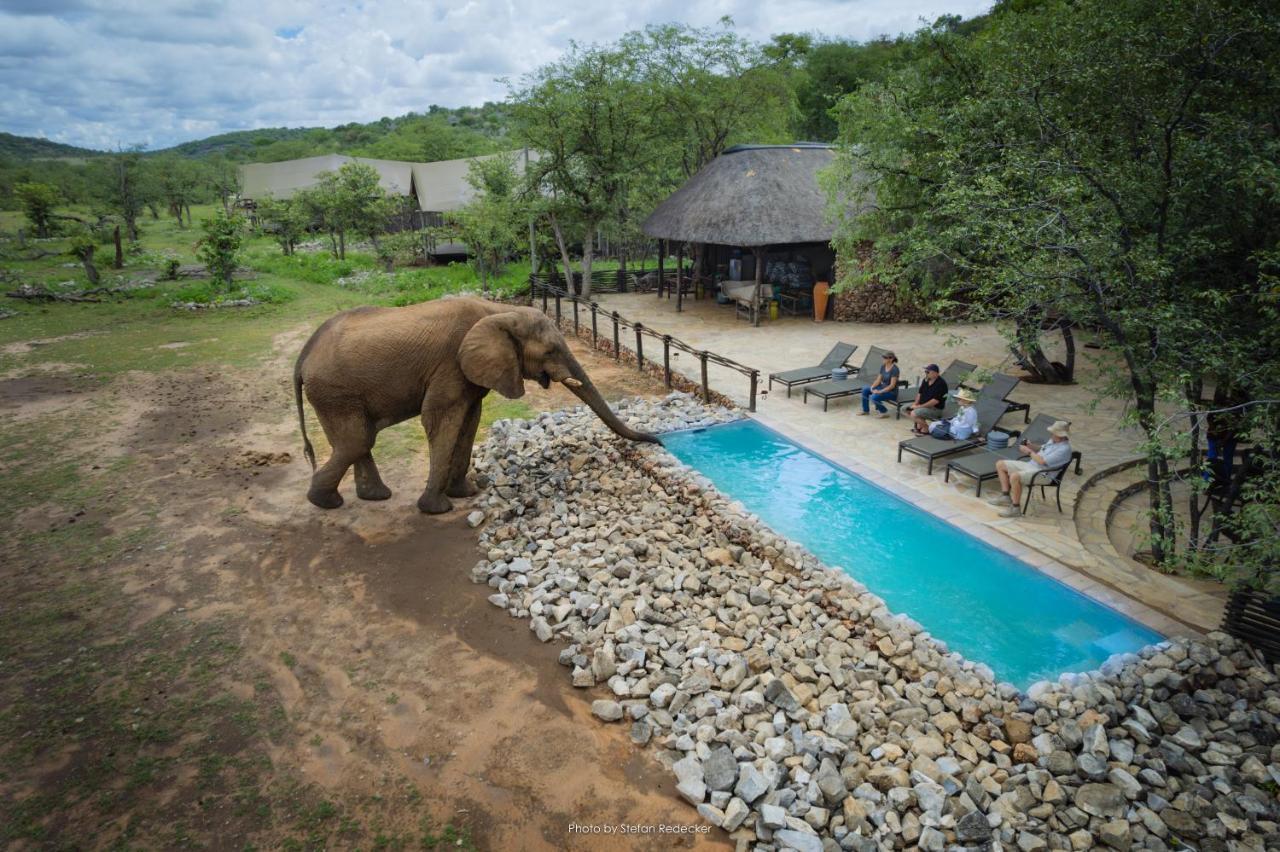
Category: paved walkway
<point>867,445</point>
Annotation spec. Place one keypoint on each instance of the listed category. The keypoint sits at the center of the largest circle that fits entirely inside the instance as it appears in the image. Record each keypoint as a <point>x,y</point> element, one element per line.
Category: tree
<point>219,249</point>
<point>37,200</point>
<point>350,200</point>
<point>1105,162</point>
<point>591,118</point>
<point>286,220</point>
<point>178,182</point>
<point>492,224</point>
<point>223,177</point>
<point>124,188</point>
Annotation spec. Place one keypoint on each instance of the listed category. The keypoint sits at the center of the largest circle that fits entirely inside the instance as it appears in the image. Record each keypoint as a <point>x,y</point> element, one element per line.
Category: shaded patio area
<point>1073,546</point>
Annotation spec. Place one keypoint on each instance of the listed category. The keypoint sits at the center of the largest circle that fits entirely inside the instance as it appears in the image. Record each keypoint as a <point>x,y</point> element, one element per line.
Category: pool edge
<point>1054,569</point>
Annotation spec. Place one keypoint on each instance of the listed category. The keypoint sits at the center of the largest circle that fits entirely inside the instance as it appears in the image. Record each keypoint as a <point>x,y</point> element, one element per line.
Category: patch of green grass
<point>499,408</point>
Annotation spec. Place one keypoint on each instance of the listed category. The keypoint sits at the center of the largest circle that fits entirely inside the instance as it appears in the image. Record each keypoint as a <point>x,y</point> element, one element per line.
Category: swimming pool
<point>984,603</point>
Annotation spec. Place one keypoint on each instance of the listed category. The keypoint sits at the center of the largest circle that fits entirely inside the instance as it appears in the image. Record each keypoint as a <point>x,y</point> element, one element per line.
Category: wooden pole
<point>680,278</point>
<point>706,388</point>
<point>758,251</point>
<point>662,245</point>
<point>666,357</point>
<point>617,347</point>
<point>639,347</point>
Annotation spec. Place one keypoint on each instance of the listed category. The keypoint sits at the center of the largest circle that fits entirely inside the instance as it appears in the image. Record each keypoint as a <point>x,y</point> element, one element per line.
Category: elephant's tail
<point>307,449</point>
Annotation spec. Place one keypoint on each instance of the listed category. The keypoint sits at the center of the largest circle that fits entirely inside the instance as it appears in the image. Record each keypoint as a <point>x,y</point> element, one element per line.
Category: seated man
<point>884,387</point>
<point>1014,474</point>
<point>929,400</point>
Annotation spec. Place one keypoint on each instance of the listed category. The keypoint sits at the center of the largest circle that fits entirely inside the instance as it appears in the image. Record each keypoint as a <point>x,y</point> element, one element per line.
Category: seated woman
<point>963,424</point>
<point>884,387</point>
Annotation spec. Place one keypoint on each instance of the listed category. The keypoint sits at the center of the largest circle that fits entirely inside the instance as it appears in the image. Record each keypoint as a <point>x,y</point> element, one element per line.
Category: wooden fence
<point>1253,616</point>
<point>552,298</point>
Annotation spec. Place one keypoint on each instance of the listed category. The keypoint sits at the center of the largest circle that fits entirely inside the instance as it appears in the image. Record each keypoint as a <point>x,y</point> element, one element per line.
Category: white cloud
<point>109,73</point>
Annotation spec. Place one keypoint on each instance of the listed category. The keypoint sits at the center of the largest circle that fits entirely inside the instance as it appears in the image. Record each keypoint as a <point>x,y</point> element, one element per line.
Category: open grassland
<point>155,688</point>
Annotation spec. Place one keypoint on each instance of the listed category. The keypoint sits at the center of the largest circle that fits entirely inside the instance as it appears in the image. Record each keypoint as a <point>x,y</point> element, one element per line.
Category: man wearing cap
<point>1054,453</point>
<point>929,400</point>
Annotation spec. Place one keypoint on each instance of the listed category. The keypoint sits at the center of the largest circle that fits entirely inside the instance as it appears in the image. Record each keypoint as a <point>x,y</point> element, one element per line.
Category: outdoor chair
<point>929,448</point>
<point>954,375</point>
<point>981,465</point>
<point>834,389</point>
<point>837,357</point>
<point>1000,386</point>
<point>1051,478</point>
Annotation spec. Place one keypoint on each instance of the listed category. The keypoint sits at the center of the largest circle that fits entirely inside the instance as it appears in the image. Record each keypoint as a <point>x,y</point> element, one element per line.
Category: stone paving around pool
<point>1072,546</point>
<point>797,712</point>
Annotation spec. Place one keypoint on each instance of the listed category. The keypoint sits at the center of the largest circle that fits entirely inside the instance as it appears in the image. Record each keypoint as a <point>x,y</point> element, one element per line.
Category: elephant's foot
<point>434,504</point>
<point>462,488</point>
<point>325,499</point>
<point>373,492</point>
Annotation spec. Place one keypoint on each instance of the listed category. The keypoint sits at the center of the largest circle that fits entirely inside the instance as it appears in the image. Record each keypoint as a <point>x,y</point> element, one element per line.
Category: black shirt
<point>937,390</point>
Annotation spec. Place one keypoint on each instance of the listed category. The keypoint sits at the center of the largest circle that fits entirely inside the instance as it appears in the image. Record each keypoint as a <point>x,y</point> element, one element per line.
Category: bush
<point>218,249</point>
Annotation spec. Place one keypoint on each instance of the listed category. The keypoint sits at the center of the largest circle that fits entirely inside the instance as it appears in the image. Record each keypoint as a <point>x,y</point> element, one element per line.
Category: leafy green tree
<point>1110,162</point>
<point>82,248</point>
<point>124,187</point>
<point>590,116</point>
<point>349,200</point>
<point>219,249</point>
<point>287,220</point>
<point>492,224</point>
<point>38,201</point>
<point>178,182</point>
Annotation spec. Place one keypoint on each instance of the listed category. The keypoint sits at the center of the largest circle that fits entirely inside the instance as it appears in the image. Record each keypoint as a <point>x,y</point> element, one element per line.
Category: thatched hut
<point>759,205</point>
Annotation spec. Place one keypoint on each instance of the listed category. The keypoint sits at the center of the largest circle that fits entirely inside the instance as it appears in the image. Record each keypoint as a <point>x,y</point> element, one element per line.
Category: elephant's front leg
<point>443,420</point>
<point>459,485</point>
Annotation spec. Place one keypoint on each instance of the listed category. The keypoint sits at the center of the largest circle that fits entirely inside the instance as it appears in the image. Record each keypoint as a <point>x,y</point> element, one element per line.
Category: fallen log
<point>40,294</point>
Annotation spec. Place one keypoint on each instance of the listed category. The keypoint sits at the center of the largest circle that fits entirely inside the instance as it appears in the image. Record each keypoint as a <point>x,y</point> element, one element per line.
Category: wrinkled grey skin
<point>370,368</point>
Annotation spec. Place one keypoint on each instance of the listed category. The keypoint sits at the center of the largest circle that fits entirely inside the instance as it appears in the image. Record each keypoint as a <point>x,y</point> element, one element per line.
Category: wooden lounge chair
<point>954,375</point>
<point>837,357</point>
<point>981,465</point>
<point>1001,385</point>
<point>929,448</point>
<point>852,386</point>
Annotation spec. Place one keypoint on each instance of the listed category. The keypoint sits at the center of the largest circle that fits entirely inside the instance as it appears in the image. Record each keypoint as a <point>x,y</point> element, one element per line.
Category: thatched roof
<point>751,195</point>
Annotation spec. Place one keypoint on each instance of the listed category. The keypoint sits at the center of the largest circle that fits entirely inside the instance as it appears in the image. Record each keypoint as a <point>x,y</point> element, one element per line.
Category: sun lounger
<point>837,357</point>
<point>852,386</point>
<point>1000,386</point>
<point>981,465</point>
<point>929,448</point>
<point>954,375</point>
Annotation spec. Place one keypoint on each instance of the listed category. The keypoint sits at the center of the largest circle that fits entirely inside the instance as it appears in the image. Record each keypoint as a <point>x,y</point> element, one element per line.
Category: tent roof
<point>283,179</point>
<point>442,186</point>
<point>751,195</point>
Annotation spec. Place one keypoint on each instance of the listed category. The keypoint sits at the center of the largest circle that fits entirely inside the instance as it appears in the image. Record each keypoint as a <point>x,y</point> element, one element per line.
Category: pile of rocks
<point>797,712</point>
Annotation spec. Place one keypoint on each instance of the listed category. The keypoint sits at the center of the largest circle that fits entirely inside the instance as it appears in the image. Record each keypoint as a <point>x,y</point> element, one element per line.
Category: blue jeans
<point>876,397</point>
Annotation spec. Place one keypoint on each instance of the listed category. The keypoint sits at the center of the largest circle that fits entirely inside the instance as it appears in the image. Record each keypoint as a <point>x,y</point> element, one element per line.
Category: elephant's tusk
<point>572,383</point>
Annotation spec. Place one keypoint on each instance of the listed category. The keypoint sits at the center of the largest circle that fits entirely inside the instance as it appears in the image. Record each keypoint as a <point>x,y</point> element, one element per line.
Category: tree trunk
<point>119,261</point>
<point>588,251</point>
<point>155,211</point>
<point>188,206</point>
<point>131,222</point>
<point>565,262</point>
<point>1158,492</point>
<point>1069,340</point>
<point>90,271</point>
<point>342,245</point>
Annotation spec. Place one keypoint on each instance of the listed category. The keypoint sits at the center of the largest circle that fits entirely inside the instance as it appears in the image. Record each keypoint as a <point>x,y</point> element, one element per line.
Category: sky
<point>108,74</point>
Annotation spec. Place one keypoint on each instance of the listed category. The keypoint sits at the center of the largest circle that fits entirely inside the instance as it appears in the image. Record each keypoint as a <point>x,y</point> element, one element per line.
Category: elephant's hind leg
<point>351,437</point>
<point>369,484</point>
<point>460,463</point>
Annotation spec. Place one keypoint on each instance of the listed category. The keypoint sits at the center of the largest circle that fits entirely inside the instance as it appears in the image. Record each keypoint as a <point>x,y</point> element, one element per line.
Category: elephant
<point>370,367</point>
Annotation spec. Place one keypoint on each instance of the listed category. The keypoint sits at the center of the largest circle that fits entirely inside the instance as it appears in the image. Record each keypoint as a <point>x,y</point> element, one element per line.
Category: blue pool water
<point>983,603</point>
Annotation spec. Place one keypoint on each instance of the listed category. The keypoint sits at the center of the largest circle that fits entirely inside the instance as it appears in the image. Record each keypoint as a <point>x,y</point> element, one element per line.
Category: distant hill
<point>33,148</point>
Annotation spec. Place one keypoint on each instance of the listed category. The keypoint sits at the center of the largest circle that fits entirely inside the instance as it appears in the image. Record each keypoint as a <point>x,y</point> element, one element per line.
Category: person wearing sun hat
<point>1014,474</point>
<point>965,421</point>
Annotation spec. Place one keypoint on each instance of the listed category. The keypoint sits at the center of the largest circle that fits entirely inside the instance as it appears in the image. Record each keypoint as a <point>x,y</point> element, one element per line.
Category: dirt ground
<point>197,656</point>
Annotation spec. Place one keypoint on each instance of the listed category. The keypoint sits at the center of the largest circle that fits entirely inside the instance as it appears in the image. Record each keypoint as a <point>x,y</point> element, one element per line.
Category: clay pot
<point>821,292</point>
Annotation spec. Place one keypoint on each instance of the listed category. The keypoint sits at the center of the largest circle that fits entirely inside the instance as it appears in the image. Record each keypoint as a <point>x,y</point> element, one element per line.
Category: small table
<point>795,302</point>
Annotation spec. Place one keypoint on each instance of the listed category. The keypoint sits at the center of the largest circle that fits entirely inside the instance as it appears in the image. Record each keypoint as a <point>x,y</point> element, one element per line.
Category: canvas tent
<point>437,187</point>
<point>762,198</point>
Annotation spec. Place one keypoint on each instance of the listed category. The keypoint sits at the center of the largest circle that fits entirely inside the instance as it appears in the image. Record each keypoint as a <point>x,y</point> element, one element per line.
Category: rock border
<point>798,712</point>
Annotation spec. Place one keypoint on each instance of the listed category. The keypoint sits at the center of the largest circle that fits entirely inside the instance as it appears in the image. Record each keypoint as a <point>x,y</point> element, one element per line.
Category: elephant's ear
<point>489,356</point>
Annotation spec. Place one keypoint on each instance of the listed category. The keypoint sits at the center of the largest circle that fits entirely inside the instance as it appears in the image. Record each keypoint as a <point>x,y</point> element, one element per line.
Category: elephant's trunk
<point>582,388</point>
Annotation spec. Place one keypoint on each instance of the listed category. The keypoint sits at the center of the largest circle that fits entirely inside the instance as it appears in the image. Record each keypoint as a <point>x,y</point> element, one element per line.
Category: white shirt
<point>965,423</point>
